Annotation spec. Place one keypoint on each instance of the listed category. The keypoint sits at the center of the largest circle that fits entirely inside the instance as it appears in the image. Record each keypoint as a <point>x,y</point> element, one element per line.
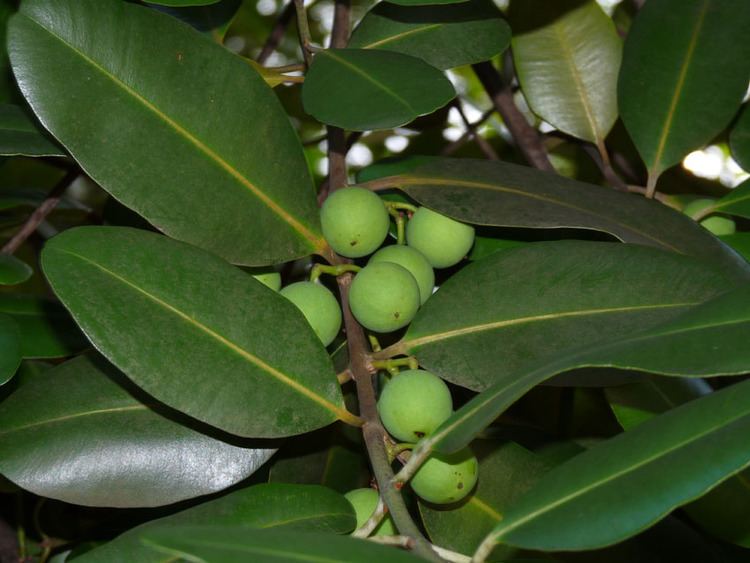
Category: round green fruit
<point>319,307</point>
<point>442,240</point>
<point>384,297</point>
<point>354,221</point>
<point>414,261</point>
<point>413,404</point>
<point>444,479</point>
<point>267,276</point>
<point>365,501</point>
<point>715,224</point>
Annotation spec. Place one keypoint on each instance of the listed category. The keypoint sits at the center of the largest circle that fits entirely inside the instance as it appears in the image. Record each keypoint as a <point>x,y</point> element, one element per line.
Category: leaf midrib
<point>73,416</point>
<point>414,180</point>
<point>294,556</point>
<point>403,34</point>
<point>340,413</point>
<point>317,242</point>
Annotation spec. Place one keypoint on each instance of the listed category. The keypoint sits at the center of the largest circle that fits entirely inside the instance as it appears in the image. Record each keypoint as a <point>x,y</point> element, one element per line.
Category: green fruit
<point>384,297</point>
<point>413,404</point>
<point>354,221</point>
<point>267,276</point>
<point>442,240</point>
<point>365,501</point>
<point>318,305</point>
<point>715,224</point>
<point>414,261</point>
<point>446,478</point>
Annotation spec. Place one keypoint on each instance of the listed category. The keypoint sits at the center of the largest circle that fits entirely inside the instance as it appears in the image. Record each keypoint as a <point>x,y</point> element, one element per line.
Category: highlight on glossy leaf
<point>196,332</point>
<point>21,134</point>
<point>374,89</point>
<point>215,183</point>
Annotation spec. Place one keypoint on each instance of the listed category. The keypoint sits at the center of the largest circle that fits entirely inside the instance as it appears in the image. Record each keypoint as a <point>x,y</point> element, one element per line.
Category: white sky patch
<point>323,14</point>
<point>502,4</point>
<point>359,155</point>
<point>454,118</point>
<point>452,133</point>
<point>276,59</point>
<point>713,163</point>
<point>322,167</point>
<point>545,127</point>
<point>608,5</point>
<point>459,82</point>
<point>266,7</point>
<point>396,143</point>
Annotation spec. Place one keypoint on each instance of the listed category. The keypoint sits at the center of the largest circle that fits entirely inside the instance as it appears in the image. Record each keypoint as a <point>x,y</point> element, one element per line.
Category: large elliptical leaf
<point>567,54</point>
<point>710,339</point>
<point>623,485</point>
<point>10,348</point>
<point>444,36</point>
<point>266,506</point>
<point>225,544</point>
<point>507,195</point>
<point>526,306</point>
<point>373,89</point>
<point>182,3</point>
<point>739,139</point>
<point>195,332</point>
<point>74,433</point>
<point>20,135</point>
<point>13,271</point>
<point>670,99</point>
<point>736,202</point>
<point>171,124</point>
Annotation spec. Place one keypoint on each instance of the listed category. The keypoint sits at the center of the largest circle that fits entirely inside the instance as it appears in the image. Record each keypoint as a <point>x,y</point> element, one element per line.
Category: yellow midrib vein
<point>448,334</point>
<point>607,479</point>
<point>655,166</point>
<point>73,416</point>
<point>245,548</point>
<point>317,242</point>
<point>340,413</point>
<point>486,508</point>
<point>370,79</point>
<point>421,180</point>
<point>402,35</point>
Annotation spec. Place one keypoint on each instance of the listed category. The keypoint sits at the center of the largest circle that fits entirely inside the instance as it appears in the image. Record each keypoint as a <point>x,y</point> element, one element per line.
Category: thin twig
<point>340,165</point>
<point>404,542</point>
<point>303,29</point>
<point>40,213</point>
<point>277,33</point>
<point>451,556</point>
<point>458,143</point>
<point>471,128</point>
<point>663,198</point>
<point>601,158</point>
<point>373,521</point>
<point>526,137</point>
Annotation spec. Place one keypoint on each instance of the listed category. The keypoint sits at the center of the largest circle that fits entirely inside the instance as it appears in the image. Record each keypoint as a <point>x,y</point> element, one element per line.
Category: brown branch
<point>462,140</point>
<point>526,137</point>
<point>471,128</point>
<point>277,33</point>
<point>602,161</point>
<point>40,213</point>
<point>340,172</point>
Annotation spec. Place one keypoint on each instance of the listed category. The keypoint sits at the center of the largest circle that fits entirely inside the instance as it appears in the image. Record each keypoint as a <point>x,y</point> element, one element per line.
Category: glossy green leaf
<point>10,348</point>
<point>76,434</point>
<point>47,331</point>
<point>567,54</point>
<point>670,99</point>
<point>621,486</point>
<point>213,19</point>
<point>506,471</point>
<point>182,3</point>
<point>294,507</point>
<point>217,544</point>
<point>195,332</point>
<point>736,202</point>
<point>21,135</point>
<point>528,305</point>
<point>502,194</point>
<point>230,174</point>
<point>444,36</point>
<point>716,329</point>
<point>13,271</point>
<point>739,139</point>
<point>374,89</point>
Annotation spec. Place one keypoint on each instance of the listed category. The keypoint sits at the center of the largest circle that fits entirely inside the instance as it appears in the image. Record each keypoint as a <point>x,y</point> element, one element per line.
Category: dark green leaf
<point>444,36</point>
<point>736,202</point>
<point>197,333</point>
<point>374,89</point>
<point>670,99</point>
<point>528,305</point>
<point>621,486</point>
<point>567,54</point>
<point>8,87</point>
<point>506,472</point>
<point>21,135</point>
<point>739,242</point>
<point>713,329</point>
<point>13,271</point>
<point>502,194</point>
<point>295,507</point>
<point>213,19</point>
<point>10,348</point>
<point>47,331</point>
<point>739,139</point>
<point>116,82</point>
<point>182,3</point>
<point>216,544</point>
<point>75,434</point>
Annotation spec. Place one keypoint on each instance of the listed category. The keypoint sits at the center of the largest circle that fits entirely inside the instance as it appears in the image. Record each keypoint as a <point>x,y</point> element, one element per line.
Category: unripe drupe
<point>446,478</point>
<point>414,261</point>
<point>318,305</point>
<point>354,221</point>
<point>384,297</point>
<point>443,241</point>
